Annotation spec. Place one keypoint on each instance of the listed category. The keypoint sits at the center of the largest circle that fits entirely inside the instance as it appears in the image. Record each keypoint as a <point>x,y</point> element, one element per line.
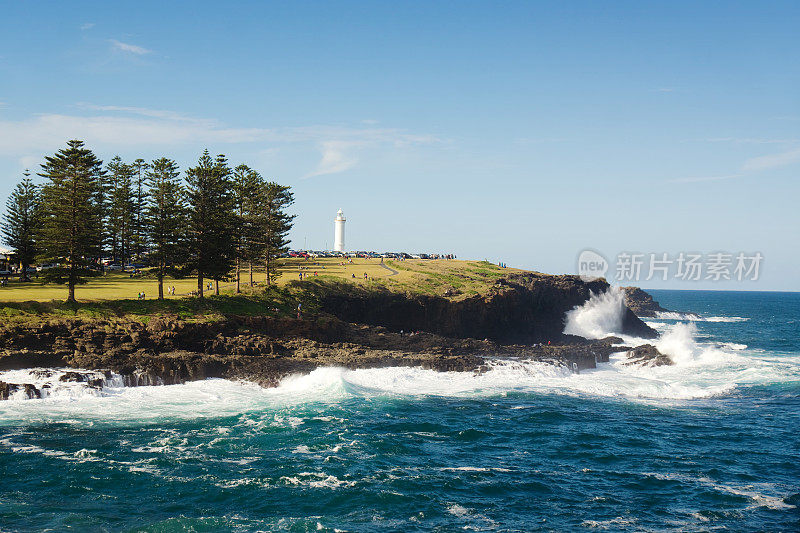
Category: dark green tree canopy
<point>20,222</point>
<point>247,192</point>
<point>275,223</point>
<point>165,216</point>
<point>139,168</point>
<point>71,226</point>
<point>211,218</point>
<point>120,210</point>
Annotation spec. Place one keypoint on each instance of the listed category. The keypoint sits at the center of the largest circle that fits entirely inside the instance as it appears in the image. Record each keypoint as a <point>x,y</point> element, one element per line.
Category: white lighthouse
<point>338,223</point>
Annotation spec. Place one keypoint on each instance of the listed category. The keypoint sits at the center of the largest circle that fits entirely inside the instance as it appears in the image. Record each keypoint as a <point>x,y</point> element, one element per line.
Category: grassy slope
<point>115,294</point>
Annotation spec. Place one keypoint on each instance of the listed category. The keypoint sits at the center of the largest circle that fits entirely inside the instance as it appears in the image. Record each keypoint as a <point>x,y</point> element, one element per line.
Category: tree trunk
<point>72,281</point>
<point>238,271</point>
<point>160,279</point>
<point>266,270</point>
<point>199,284</point>
<point>251,272</point>
<point>216,287</point>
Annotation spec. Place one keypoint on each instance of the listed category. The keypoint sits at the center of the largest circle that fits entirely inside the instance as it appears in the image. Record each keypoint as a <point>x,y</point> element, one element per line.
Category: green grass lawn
<point>116,293</point>
<point>120,286</point>
<point>112,286</point>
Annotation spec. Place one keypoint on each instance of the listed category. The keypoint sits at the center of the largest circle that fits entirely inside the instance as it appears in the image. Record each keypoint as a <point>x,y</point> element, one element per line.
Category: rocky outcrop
<point>522,308</point>
<point>260,349</point>
<point>641,303</point>
<point>647,355</point>
<point>9,389</point>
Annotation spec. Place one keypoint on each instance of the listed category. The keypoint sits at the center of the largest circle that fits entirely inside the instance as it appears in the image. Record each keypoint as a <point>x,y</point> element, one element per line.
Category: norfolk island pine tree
<point>20,223</point>
<point>71,224</point>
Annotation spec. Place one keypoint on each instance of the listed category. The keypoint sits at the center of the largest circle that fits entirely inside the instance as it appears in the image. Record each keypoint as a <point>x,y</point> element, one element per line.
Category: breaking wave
<point>692,317</point>
<point>701,369</point>
<point>699,372</point>
<point>599,317</point>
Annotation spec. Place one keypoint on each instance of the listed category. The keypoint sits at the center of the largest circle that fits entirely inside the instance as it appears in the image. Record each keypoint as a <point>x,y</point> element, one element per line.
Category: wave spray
<point>599,317</point>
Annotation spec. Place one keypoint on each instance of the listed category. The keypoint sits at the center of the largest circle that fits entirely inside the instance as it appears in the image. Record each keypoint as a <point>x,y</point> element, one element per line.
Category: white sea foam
<point>457,510</point>
<point>674,315</point>
<point>316,480</point>
<point>734,346</point>
<point>473,469</point>
<point>475,521</point>
<point>725,319</point>
<point>619,522</point>
<point>761,494</point>
<point>692,317</point>
<point>701,370</point>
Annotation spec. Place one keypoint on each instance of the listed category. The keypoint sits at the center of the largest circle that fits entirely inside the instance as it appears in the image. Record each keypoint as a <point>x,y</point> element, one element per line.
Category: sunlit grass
<point>116,294</point>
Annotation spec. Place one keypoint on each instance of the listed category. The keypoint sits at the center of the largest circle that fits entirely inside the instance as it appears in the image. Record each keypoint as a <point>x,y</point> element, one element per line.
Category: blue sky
<point>517,132</point>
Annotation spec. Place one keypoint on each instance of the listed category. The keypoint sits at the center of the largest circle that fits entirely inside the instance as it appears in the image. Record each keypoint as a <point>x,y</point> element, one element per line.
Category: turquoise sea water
<point>711,443</point>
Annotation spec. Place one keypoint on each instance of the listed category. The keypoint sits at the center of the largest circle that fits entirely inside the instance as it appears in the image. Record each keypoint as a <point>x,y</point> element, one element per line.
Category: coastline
<point>520,316</point>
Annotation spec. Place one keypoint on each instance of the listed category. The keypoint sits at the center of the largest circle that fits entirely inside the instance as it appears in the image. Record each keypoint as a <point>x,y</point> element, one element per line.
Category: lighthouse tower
<point>338,223</point>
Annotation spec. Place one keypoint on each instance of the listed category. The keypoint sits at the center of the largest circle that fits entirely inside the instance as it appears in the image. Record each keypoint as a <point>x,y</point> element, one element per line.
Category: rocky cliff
<point>522,308</point>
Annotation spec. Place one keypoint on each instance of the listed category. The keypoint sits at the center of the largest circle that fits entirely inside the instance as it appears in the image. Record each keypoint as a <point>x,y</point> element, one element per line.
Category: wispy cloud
<point>87,26</point>
<point>337,156</point>
<point>142,111</point>
<point>754,164</point>
<point>766,162</point>
<point>129,48</point>
<point>111,127</point>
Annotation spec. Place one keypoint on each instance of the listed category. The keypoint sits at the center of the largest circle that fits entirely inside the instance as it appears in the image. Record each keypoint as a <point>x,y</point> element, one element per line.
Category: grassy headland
<point>115,294</point>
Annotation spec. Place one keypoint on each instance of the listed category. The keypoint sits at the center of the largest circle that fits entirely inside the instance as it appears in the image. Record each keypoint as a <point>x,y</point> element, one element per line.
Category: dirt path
<point>390,269</point>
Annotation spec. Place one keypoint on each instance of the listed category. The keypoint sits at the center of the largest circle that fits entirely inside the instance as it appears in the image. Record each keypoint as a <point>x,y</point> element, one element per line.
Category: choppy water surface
<point>711,443</point>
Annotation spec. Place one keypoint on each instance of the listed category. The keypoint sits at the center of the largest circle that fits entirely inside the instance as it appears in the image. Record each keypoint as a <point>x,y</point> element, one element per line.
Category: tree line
<point>212,221</point>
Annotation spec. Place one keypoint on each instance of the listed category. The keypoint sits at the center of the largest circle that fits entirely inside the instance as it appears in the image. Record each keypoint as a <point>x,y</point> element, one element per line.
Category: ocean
<point>711,443</point>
